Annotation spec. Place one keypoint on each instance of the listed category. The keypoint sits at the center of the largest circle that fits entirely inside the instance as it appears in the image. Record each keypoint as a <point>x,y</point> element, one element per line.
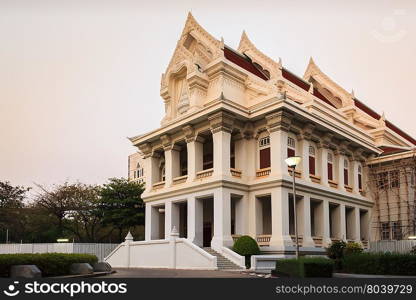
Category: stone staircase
<point>222,262</point>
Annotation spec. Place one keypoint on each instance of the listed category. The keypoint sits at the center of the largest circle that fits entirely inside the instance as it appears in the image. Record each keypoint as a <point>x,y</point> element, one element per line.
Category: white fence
<point>100,250</point>
<point>403,246</point>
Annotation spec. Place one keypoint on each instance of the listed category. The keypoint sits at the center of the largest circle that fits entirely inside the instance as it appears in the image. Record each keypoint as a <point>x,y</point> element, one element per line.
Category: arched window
<point>330,167</point>
<point>291,147</point>
<point>264,150</point>
<point>345,172</point>
<point>360,178</point>
<point>311,160</point>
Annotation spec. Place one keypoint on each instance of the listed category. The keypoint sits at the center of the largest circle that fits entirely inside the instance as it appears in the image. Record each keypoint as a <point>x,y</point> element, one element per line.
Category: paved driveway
<point>170,273</point>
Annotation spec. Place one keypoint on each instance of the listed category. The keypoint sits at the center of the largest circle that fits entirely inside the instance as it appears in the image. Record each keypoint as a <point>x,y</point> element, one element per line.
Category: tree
<point>74,207</point>
<point>11,204</point>
<point>12,196</point>
<point>121,205</point>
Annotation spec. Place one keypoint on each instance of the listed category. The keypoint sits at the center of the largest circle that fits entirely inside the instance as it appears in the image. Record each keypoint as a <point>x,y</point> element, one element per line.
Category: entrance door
<point>207,234</point>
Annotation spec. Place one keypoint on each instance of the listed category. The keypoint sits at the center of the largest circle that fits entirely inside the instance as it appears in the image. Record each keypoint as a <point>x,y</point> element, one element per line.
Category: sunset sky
<point>78,77</point>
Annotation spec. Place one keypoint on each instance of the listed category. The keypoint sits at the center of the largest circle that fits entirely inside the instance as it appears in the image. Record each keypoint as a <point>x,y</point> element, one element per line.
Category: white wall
<point>175,253</point>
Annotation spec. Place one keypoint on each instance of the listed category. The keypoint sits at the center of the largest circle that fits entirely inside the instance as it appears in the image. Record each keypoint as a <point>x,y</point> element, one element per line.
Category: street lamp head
<point>293,161</point>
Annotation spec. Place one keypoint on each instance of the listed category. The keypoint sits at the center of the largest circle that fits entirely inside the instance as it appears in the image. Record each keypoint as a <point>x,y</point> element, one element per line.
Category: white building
<point>215,169</point>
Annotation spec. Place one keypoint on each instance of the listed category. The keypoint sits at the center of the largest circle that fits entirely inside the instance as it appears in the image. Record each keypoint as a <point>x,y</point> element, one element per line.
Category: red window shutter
<point>360,184</point>
<point>265,158</point>
<point>345,176</point>
<point>330,175</point>
<point>312,165</point>
<point>290,152</point>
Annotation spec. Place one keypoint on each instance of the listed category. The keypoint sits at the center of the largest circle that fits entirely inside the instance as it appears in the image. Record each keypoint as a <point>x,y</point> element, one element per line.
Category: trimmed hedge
<point>246,246</point>
<point>380,264</point>
<point>305,267</point>
<point>51,264</point>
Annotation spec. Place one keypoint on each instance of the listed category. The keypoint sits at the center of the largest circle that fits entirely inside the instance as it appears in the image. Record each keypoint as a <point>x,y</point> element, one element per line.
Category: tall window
<point>385,231</point>
<point>264,145</point>
<point>232,154</point>
<point>330,167</point>
<point>345,172</point>
<point>183,161</point>
<point>291,147</point>
<point>360,178</point>
<point>311,160</point>
<point>394,179</point>
<point>396,231</point>
<point>382,180</point>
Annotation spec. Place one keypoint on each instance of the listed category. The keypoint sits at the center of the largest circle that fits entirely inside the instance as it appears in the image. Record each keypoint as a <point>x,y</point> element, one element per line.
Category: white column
<point>148,222</point>
<point>168,219</point>
<point>280,219</point>
<point>152,171</point>
<point>222,220</point>
<point>251,158</point>
<point>326,236</point>
<point>154,222</point>
<point>195,221</point>
<point>357,225</point>
<point>253,204</point>
<point>354,174</point>
<point>278,149</point>
<point>323,165</point>
<point>304,221</point>
<point>168,173</point>
<point>305,159</point>
<point>340,171</point>
<point>221,140</point>
<point>194,149</point>
<point>343,225</point>
<point>241,215</point>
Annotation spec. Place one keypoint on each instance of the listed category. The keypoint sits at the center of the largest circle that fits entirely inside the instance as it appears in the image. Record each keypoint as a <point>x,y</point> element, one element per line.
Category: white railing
<point>181,179</point>
<point>236,173</point>
<point>234,257</point>
<point>263,172</point>
<point>403,246</point>
<point>263,239</point>
<point>204,173</point>
<point>100,250</point>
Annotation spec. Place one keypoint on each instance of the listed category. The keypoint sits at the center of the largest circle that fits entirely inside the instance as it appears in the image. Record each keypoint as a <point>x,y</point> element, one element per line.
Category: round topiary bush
<point>246,246</point>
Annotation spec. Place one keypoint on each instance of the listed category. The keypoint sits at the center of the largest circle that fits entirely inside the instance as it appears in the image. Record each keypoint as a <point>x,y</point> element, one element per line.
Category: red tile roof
<point>389,125</point>
<point>295,79</point>
<point>244,62</point>
<point>390,150</point>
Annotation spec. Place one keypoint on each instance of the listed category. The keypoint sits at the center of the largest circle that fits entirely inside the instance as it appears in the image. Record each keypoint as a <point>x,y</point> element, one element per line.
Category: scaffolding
<point>392,187</point>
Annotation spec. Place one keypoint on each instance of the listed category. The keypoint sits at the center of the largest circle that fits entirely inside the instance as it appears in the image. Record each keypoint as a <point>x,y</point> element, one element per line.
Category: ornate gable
<point>184,84</point>
<point>271,68</point>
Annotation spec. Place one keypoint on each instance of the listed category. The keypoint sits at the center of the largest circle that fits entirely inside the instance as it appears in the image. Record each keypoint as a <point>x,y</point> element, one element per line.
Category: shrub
<point>380,263</point>
<point>352,248</point>
<point>336,252</point>
<point>305,267</point>
<point>246,246</point>
<point>51,264</point>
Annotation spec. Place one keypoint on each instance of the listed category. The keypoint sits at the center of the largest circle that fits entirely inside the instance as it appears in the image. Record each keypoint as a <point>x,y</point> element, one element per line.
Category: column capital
<point>280,120</point>
<point>189,132</point>
<point>221,121</point>
<point>248,131</point>
<point>145,149</point>
<point>166,141</point>
<point>325,140</point>
<point>306,132</point>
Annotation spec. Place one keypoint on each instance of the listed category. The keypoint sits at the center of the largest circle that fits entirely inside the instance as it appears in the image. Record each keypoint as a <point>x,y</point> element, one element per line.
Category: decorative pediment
<point>271,68</point>
<point>326,86</point>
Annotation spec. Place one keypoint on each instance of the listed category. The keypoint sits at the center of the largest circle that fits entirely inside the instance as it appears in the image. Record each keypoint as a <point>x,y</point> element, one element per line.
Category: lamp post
<point>293,162</point>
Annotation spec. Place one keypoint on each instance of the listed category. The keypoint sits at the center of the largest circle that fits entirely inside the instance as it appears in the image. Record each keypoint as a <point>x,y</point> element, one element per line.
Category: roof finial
<point>352,93</point>
<point>382,119</point>
<point>280,62</point>
<point>311,61</point>
<point>222,43</point>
